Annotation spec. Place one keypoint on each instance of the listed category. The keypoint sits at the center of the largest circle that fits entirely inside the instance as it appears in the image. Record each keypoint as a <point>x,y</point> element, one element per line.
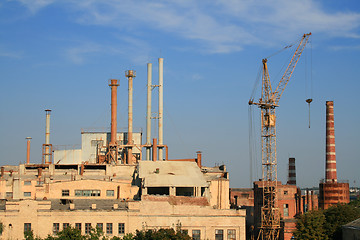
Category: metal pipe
<point>154,153</point>
<point>28,150</point>
<point>161,119</point>
<point>330,174</point>
<point>2,171</point>
<point>113,83</point>
<point>130,74</point>
<point>148,112</point>
<point>198,160</point>
<point>47,137</point>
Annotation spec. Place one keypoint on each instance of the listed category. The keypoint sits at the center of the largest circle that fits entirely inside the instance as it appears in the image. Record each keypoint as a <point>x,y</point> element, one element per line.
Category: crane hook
<point>309,100</point>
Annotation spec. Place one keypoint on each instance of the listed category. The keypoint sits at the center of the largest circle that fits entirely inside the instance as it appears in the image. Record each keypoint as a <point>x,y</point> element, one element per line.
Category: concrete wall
<point>140,215</point>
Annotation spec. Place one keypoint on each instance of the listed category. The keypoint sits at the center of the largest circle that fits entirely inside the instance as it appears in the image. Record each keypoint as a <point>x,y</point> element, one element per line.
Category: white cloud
<point>215,27</point>
<point>9,54</point>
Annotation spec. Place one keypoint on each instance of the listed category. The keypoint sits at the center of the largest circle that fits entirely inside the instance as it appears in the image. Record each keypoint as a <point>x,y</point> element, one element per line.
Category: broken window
<point>185,191</point>
<point>158,191</point>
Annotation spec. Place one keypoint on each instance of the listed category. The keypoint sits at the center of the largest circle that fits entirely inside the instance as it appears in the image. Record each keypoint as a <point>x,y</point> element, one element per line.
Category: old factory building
<point>109,184</point>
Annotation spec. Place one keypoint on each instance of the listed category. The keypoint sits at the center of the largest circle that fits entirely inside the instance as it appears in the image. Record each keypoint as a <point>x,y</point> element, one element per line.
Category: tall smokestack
<point>330,174</point>
<point>130,74</point>
<point>148,112</point>
<point>47,137</point>
<point>114,83</point>
<point>28,150</point>
<point>161,119</point>
<point>292,172</point>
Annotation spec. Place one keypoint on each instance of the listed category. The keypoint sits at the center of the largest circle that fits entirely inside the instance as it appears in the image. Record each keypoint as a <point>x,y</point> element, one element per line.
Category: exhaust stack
<point>292,172</point>
<point>161,119</point>
<point>28,150</point>
<point>114,83</point>
<point>148,112</point>
<point>330,174</point>
<point>130,74</point>
<point>47,147</point>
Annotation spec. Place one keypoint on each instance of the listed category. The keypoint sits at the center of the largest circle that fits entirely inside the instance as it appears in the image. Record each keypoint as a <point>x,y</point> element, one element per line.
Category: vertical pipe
<point>161,119</point>
<point>330,174</point>
<point>114,83</point>
<point>148,112</point>
<point>130,74</point>
<point>47,137</point>
<point>28,150</point>
<point>2,171</point>
<point>154,152</point>
<point>198,158</point>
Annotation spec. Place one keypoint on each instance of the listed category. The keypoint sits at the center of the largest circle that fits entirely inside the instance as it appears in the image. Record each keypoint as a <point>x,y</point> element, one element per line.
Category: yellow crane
<point>270,215</point>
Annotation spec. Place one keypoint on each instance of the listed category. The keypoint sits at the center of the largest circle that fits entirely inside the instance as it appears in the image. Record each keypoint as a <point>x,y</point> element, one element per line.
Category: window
<point>95,143</point>
<point>219,234</point>
<point>185,231</point>
<point>27,183</point>
<point>87,193</point>
<point>196,234</point>
<point>100,226</point>
<point>109,193</point>
<point>109,228</point>
<point>56,228</point>
<point>27,194</point>
<point>231,234</point>
<point>286,210</point>
<point>87,228</point>
<point>65,193</point>
<point>121,228</point>
<point>66,225</point>
<point>27,227</point>
<point>9,194</point>
<point>286,192</point>
<point>78,226</point>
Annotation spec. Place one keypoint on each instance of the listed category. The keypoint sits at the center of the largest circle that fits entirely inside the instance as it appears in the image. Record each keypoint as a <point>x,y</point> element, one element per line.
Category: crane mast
<point>270,214</point>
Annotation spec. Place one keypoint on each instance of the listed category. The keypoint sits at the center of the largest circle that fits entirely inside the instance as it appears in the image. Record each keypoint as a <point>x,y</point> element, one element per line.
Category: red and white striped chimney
<point>330,174</point>
<point>292,172</point>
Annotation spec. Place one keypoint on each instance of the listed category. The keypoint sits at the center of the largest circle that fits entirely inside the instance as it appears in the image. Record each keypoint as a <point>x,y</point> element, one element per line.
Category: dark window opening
<point>158,191</point>
<point>185,191</point>
<point>202,191</point>
<point>196,234</point>
<point>100,226</point>
<point>56,228</point>
<point>27,227</point>
<point>219,234</point>
<point>121,228</point>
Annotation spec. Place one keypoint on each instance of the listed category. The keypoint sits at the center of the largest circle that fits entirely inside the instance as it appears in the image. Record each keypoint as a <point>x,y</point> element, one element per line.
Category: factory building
<point>107,183</point>
<point>291,201</point>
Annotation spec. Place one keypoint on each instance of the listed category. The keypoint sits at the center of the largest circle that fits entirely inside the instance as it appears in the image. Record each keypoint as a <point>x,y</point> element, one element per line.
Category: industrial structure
<point>269,227</point>
<point>107,184</point>
<point>331,191</point>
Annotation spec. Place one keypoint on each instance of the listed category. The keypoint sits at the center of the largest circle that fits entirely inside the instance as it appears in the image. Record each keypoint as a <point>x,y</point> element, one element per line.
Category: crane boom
<point>269,228</point>
<point>276,95</point>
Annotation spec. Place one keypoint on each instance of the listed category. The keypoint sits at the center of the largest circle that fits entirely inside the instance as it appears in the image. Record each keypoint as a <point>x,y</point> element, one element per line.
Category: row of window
<point>109,227</point>
<point>87,193</point>
<point>196,233</point>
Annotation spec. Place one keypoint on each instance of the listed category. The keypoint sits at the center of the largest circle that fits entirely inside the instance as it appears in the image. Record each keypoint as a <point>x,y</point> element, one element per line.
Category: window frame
<point>87,228</point>
<point>27,194</point>
<point>218,235</point>
<point>110,193</point>
<point>65,192</point>
<point>27,183</point>
<point>56,228</point>
<point>231,236</point>
<point>109,228</point>
<point>196,234</point>
<point>101,228</point>
<point>27,227</point>
<point>121,228</point>
<point>66,225</point>
<point>78,226</point>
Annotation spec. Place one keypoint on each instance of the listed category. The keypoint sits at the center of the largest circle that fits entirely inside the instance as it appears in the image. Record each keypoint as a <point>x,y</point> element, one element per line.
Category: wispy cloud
<point>215,27</point>
<point>8,54</point>
<point>349,48</point>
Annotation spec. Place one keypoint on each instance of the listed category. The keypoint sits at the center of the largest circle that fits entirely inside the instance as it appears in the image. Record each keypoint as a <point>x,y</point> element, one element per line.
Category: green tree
<point>161,234</point>
<point>338,215</point>
<point>310,226</point>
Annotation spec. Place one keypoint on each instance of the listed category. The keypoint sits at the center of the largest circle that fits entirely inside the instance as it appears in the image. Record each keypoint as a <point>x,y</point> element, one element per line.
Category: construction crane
<point>270,215</point>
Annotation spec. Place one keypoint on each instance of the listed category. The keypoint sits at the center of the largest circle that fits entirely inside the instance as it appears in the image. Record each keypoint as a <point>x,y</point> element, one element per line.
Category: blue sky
<point>60,54</point>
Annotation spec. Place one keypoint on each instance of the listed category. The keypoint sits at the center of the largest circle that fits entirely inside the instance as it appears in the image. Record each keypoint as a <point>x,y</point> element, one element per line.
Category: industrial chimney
<point>330,174</point>
<point>148,110</point>
<point>113,83</point>
<point>292,172</point>
<point>161,115</point>
<point>28,150</point>
<point>130,74</point>
<point>47,147</point>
